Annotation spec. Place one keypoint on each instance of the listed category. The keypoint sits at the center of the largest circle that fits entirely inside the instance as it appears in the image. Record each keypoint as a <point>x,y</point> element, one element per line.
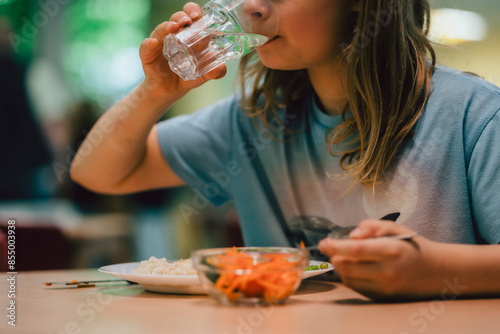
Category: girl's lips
<point>271,40</point>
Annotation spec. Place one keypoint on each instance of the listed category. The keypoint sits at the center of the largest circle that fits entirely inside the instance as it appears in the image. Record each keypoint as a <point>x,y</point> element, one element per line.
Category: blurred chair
<point>37,248</point>
<point>3,251</point>
<point>101,239</point>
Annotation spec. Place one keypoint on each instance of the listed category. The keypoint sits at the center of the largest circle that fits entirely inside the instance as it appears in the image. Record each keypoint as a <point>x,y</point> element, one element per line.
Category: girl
<point>347,118</point>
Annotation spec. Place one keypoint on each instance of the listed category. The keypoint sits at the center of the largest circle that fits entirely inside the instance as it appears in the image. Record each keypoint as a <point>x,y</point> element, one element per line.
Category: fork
<point>322,224</point>
<point>405,237</point>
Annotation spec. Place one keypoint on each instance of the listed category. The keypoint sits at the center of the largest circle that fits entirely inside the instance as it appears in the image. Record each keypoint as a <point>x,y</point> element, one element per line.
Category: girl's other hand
<point>382,268</point>
<point>159,78</point>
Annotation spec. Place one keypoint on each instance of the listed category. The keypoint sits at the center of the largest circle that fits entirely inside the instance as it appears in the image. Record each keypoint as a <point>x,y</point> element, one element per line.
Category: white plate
<point>311,273</point>
<point>178,284</point>
<point>181,284</point>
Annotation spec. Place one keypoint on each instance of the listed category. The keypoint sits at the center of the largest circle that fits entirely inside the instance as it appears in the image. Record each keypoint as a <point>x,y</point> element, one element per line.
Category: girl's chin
<point>276,62</point>
<point>271,56</point>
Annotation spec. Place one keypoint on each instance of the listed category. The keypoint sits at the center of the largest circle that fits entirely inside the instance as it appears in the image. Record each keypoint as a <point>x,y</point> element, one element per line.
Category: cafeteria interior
<point>66,63</point>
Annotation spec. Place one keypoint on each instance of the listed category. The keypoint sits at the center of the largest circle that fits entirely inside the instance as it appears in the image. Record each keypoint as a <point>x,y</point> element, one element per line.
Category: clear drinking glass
<point>228,30</point>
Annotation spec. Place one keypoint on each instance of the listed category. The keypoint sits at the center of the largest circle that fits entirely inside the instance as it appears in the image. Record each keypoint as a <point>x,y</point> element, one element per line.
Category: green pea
<point>324,265</point>
<point>312,267</point>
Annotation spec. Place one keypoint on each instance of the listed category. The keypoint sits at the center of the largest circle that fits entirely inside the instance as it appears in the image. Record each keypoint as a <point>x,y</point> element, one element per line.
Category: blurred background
<point>64,62</point>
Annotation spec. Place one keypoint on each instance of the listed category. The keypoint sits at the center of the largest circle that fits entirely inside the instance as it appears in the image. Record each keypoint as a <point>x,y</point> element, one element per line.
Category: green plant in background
<point>101,44</point>
<point>18,16</point>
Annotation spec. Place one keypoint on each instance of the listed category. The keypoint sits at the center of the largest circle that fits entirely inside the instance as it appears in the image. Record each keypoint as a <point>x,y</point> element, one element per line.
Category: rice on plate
<point>155,266</point>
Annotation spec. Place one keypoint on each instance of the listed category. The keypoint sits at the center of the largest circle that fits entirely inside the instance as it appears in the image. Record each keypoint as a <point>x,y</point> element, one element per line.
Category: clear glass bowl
<point>250,275</point>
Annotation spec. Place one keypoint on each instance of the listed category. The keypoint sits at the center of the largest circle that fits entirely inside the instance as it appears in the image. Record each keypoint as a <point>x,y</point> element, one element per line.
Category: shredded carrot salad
<point>272,276</point>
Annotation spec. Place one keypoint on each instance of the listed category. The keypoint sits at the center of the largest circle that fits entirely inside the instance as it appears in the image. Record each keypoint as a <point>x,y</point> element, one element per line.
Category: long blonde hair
<point>389,63</point>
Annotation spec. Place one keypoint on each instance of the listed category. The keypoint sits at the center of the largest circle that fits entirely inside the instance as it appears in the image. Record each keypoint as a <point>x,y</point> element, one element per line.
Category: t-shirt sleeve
<point>484,181</point>
<point>198,148</point>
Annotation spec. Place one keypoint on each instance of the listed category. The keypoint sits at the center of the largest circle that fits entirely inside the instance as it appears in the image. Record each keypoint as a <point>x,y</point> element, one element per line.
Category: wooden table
<point>319,306</point>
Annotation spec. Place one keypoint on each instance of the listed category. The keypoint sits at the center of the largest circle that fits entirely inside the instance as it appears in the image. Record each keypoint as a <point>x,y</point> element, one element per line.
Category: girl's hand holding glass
<point>227,30</point>
<point>159,78</point>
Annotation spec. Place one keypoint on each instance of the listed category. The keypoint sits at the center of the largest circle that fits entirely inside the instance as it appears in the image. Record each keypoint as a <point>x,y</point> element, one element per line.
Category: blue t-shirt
<point>444,182</point>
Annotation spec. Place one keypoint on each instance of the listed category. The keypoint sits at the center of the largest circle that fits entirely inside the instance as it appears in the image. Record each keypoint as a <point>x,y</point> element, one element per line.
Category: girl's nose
<point>259,17</point>
<point>257,10</point>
